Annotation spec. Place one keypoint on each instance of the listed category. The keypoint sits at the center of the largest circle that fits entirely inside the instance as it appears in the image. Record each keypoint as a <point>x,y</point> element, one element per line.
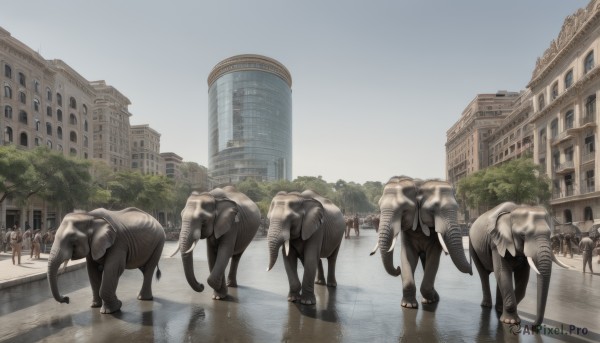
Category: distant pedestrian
<point>36,244</point>
<point>586,246</point>
<point>376,223</point>
<point>356,225</point>
<point>6,239</point>
<point>16,241</point>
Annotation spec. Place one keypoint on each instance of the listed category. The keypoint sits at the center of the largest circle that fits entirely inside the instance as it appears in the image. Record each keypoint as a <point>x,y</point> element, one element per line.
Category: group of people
<point>30,239</point>
<point>565,243</point>
<point>353,222</point>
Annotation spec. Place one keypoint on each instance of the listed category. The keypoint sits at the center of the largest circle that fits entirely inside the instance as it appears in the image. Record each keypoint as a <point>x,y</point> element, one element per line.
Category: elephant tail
<point>158,273</point>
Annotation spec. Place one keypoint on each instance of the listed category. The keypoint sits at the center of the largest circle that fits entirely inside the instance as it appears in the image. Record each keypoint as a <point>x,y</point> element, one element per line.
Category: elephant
<point>510,239</point>
<point>228,220</point>
<point>309,227</point>
<point>425,212</point>
<point>110,241</point>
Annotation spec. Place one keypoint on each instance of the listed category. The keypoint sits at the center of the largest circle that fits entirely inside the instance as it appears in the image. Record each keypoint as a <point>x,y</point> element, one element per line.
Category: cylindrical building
<point>249,120</point>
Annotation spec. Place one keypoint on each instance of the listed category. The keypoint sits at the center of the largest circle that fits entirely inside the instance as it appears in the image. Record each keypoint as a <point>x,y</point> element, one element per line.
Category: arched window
<point>7,92</point>
<point>23,117</point>
<point>72,119</point>
<point>49,144</point>
<point>85,155</point>
<point>23,140</point>
<point>569,119</point>
<point>588,214</point>
<point>36,86</point>
<point>37,124</point>
<point>555,90</point>
<point>73,137</point>
<point>7,112</point>
<point>73,152</point>
<point>85,141</point>
<point>568,216</point>
<point>49,111</point>
<point>23,97</point>
<point>8,134</point>
<point>37,141</point>
<point>59,115</point>
<point>7,71</point>
<point>569,79</point>
<point>85,125</point>
<point>588,64</point>
<point>541,102</point>
<point>49,129</point>
<point>72,102</point>
<point>554,128</point>
<point>59,99</point>
<point>84,109</point>
<point>36,105</point>
<point>48,94</point>
<point>22,80</point>
<point>59,132</point>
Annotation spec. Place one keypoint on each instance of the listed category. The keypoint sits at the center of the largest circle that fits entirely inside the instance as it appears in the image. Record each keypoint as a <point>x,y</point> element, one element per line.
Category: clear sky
<point>376,84</point>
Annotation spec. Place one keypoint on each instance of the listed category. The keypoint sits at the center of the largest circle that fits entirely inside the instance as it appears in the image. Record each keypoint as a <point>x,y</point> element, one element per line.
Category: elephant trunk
<point>275,239</point>
<point>386,237</point>
<point>543,262</point>
<point>447,225</point>
<point>185,243</point>
<point>55,259</point>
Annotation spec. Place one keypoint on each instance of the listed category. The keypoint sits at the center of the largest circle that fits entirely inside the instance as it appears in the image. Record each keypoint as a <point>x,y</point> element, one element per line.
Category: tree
<point>520,181</point>
<point>17,175</point>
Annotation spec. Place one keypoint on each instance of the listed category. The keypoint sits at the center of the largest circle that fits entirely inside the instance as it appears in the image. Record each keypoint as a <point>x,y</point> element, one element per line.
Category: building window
<point>7,112</point>
<point>590,106</point>
<point>23,140</point>
<point>72,102</point>
<point>7,71</point>
<point>73,152</point>
<point>587,212</point>
<point>36,86</point>
<point>59,99</point>
<point>589,143</point>
<point>84,107</point>
<point>37,125</point>
<point>569,119</point>
<point>569,184</point>
<point>23,117</point>
<point>589,62</point>
<point>36,105</point>
<point>59,132</point>
<point>7,92</point>
<point>85,155</point>
<point>72,119</point>
<point>85,125</point>
<point>556,158</point>
<point>554,128</point>
<point>59,115</point>
<point>48,94</point>
<point>73,137</point>
<point>22,79</point>
<point>569,79</point>
<point>37,141</point>
<point>49,111</point>
<point>85,141</point>
<point>555,90</point>
<point>49,129</point>
<point>541,102</point>
<point>568,216</point>
<point>49,144</point>
<point>569,154</point>
<point>22,97</point>
<point>8,134</point>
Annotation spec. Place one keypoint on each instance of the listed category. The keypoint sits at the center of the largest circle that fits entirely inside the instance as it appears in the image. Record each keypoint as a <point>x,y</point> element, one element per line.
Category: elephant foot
<point>293,296</point>
<point>510,318</point>
<point>218,296</point>
<point>111,309</point>
<point>319,282</point>
<point>214,282</point>
<point>308,299</point>
<point>141,297</point>
<point>96,303</point>
<point>499,308</point>
<point>430,297</point>
<point>232,283</point>
<point>486,303</point>
<point>410,302</point>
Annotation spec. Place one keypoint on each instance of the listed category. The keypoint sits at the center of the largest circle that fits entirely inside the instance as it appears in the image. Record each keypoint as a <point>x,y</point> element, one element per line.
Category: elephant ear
<point>501,234</point>
<point>313,218</point>
<point>103,237</point>
<point>227,215</point>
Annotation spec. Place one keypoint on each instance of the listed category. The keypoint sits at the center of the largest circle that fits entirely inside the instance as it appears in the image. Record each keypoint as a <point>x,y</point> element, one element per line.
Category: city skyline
<point>375,86</point>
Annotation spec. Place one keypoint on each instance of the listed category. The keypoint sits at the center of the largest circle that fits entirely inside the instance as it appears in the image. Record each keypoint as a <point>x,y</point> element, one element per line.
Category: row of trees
<point>71,183</point>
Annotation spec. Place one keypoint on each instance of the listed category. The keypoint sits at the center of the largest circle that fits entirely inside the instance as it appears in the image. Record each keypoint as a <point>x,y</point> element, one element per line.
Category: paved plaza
<point>365,307</point>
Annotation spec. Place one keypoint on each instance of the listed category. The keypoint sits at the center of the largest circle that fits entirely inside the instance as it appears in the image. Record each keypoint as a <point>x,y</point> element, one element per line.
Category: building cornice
<point>16,48</point>
<point>573,30</point>
<point>73,76</point>
<point>249,62</point>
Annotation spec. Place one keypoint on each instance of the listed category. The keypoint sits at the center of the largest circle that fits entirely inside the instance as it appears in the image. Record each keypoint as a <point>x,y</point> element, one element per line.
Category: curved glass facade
<point>250,127</point>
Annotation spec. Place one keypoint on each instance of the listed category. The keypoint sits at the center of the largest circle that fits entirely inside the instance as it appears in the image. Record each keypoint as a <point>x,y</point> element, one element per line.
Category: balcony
<point>567,192</point>
<point>563,136</point>
<point>588,156</point>
<point>588,186</point>
<point>565,167</point>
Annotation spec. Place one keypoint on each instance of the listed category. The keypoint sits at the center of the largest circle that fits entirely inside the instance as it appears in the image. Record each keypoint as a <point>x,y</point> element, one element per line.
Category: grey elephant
<point>110,241</point>
<point>309,227</point>
<point>425,212</point>
<point>510,239</point>
<point>228,220</point>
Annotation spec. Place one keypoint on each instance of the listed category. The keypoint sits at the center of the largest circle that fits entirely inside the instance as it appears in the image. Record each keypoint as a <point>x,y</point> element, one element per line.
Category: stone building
<point>145,150</point>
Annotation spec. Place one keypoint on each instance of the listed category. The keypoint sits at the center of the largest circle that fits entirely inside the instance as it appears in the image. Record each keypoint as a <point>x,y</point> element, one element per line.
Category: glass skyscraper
<point>249,120</point>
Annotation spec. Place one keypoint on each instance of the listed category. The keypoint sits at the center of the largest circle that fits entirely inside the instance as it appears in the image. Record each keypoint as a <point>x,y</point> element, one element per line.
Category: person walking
<point>586,246</point>
<point>36,244</point>
<point>16,242</point>
<point>356,225</point>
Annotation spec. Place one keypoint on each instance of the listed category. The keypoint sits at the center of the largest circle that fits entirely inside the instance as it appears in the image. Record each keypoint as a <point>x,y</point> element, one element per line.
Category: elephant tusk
<point>374,249</point>
<point>393,245</point>
<point>532,265</point>
<point>191,248</point>
<point>176,251</point>
<point>64,269</point>
<point>442,243</point>
<point>557,261</point>
<point>286,247</point>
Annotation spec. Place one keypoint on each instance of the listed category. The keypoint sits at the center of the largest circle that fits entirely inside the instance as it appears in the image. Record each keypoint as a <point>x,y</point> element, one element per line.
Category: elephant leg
<point>291,268</point>
<point>504,279</point>
<point>499,299</point>
<point>320,274</point>
<point>114,265</point>
<point>216,279</point>
<point>232,276</point>
<point>428,291</point>
<point>331,261</point>
<point>148,271</point>
<point>408,259</point>
<point>95,275</point>
<point>312,250</point>
<point>521,280</point>
<point>484,276</point>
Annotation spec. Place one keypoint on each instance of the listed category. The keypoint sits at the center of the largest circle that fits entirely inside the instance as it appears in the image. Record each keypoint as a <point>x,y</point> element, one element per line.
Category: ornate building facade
<point>145,150</point>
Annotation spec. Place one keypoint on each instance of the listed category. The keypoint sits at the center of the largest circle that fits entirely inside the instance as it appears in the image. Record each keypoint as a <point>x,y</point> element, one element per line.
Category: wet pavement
<point>365,307</point>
